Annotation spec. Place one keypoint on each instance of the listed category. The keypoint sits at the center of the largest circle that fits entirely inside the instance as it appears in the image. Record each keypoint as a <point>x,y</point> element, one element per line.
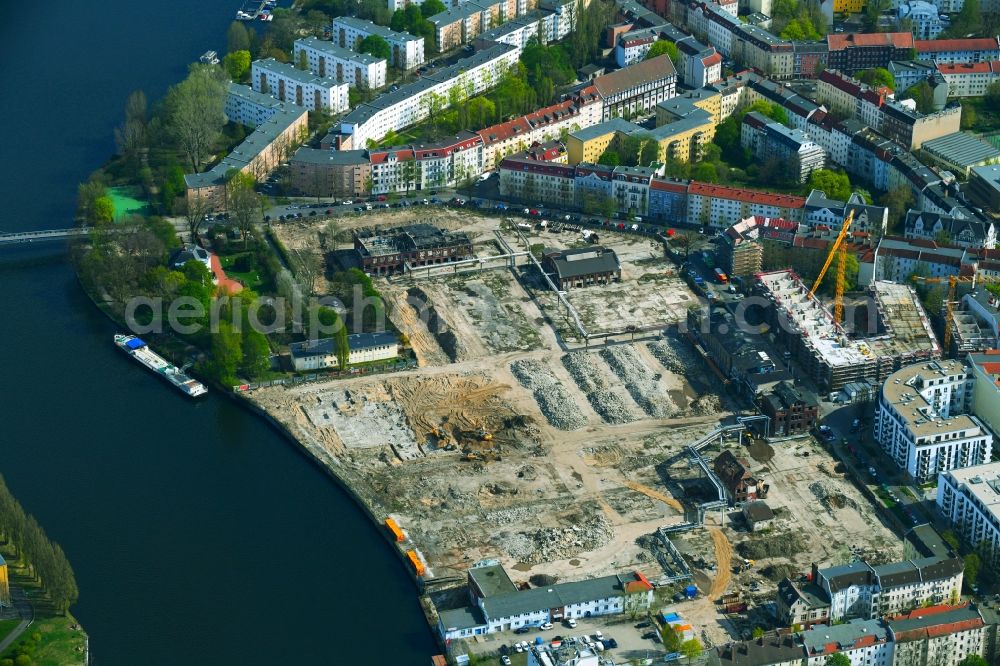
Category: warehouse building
<point>363,348</point>
<point>582,267</point>
<point>400,249</point>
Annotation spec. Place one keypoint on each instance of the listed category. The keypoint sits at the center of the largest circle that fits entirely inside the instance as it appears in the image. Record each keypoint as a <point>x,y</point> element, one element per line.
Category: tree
<point>898,200</point>
<point>195,209</point>
<point>969,116</point>
<point>922,94</point>
<point>243,202</point>
<point>671,639</point>
<point>705,172</point>
<point>237,64</point>
<point>838,659</point>
<point>973,660</point>
<point>757,632</point>
<point>431,7</point>
<point>876,77</point>
<point>195,112</point>
<point>835,184</point>
<point>256,353</point>
<point>973,564</point>
<point>130,136</point>
<point>104,210</point>
<point>377,46</point>
<point>237,37</point>
<point>650,151</point>
<point>227,353</point>
<point>609,158</point>
<point>663,47</point>
<point>992,96</point>
<point>691,649</point>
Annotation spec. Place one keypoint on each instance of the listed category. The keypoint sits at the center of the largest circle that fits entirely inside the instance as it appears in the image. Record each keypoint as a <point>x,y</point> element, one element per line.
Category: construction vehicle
<point>443,438</point>
<point>949,301</point>
<point>486,455</point>
<point>839,247</point>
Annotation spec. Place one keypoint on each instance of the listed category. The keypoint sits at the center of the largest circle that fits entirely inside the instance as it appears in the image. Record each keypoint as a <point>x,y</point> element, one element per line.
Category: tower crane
<point>840,249</point>
<point>949,301</point>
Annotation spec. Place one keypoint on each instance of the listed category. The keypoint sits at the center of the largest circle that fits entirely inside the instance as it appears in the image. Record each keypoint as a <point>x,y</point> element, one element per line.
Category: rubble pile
<point>610,406</point>
<point>831,500</point>
<point>555,543</point>
<point>676,356</point>
<point>553,400</point>
<point>642,385</point>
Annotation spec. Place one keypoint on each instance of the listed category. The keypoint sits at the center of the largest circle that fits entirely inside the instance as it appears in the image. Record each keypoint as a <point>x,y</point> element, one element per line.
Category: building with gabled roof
<point>938,635</point>
<point>864,642</point>
<point>950,51</point>
<point>637,89</point>
<point>972,234</point>
<point>851,52</point>
<point>582,267</point>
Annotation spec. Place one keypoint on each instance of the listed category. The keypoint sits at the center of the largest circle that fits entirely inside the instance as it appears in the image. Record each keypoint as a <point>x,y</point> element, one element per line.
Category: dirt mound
<point>418,299</point>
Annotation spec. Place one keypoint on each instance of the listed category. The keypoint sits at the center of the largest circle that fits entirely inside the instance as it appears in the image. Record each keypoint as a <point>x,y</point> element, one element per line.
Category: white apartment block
<point>283,81</point>
<point>411,103</point>
<point>924,17</point>
<point>363,348</point>
<point>970,79</point>
<point>326,59</point>
<point>922,421</point>
<point>969,499</point>
<point>248,107</point>
<point>718,206</point>
<point>407,50</point>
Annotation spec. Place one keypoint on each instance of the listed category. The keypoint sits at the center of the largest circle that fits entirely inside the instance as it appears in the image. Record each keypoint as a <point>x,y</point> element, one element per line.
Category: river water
<point>198,534</point>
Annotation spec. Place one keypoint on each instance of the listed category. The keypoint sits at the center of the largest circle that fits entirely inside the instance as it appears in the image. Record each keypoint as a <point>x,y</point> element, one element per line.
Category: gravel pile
<point>508,516</point>
<point>609,405</point>
<point>555,543</point>
<point>551,396</point>
<point>676,356</point>
<point>642,385</point>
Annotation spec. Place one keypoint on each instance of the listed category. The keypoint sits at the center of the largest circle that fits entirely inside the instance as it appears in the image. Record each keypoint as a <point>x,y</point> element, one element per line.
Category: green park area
<point>126,203</point>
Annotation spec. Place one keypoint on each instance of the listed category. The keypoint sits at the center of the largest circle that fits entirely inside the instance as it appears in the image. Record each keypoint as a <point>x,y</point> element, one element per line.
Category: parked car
<point>545,626</point>
<point>505,660</point>
<point>570,622</point>
<point>522,630</point>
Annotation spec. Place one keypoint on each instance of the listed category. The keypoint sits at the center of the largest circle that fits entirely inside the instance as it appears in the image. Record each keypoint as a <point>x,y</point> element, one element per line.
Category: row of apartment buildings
<point>941,635</point>
<point>326,172</point>
<point>770,140</point>
<point>860,590</point>
<point>278,129</point>
<point>288,83</point>
<point>407,50</point>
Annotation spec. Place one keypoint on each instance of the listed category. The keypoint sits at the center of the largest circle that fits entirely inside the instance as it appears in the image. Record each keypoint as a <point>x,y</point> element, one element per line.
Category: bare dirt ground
<point>503,444</point>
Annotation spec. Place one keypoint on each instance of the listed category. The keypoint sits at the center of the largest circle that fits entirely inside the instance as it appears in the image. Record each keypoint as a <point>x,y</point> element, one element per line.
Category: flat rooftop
<point>963,149</point>
<point>907,328</point>
<point>902,390</point>
<point>981,482</point>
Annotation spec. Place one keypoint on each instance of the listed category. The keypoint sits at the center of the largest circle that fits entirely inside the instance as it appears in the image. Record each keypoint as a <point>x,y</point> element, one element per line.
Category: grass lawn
<point>251,279</point>
<point>60,644</point>
<point>126,203</point>
<point>7,626</point>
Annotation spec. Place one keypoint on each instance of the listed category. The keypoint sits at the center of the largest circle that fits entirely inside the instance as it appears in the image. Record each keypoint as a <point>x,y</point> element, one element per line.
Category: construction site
<point>887,329</point>
<point>568,461</point>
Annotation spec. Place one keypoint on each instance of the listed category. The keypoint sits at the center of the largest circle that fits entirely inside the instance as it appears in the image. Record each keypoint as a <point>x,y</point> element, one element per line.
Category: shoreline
<point>317,457</point>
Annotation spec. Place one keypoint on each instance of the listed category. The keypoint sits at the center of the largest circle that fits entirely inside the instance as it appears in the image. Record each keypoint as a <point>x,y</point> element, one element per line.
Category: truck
<point>738,607</point>
<point>721,276</point>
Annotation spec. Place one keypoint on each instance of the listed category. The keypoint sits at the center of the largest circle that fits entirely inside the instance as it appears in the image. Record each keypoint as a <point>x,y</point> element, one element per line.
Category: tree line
<point>45,559</point>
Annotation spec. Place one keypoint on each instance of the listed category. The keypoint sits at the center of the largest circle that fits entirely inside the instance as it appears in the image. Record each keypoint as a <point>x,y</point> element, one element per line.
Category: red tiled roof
<point>992,66</point>
<point>380,156</point>
<point>900,40</point>
<point>713,59</point>
<point>752,196</point>
<point>841,82</point>
<point>668,185</point>
<point>942,45</point>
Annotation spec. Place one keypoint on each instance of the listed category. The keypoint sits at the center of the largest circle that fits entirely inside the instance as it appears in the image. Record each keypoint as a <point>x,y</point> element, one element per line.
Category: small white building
<point>758,515</point>
<point>249,107</point>
<point>295,86</point>
<point>407,50</point>
<point>191,253</point>
<point>924,16</point>
<point>364,348</point>
<point>326,59</point>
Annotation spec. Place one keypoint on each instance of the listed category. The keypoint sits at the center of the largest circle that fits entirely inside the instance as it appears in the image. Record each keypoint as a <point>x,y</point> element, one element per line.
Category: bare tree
<point>130,136</point>
<point>243,202</point>
<point>195,210</point>
<point>195,112</point>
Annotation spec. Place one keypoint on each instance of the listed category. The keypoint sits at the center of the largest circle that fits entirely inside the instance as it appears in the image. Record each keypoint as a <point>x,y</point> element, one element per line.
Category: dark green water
<point>198,534</point>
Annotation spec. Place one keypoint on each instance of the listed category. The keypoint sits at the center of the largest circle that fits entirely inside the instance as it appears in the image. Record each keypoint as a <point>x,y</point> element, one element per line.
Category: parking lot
<point>629,639</point>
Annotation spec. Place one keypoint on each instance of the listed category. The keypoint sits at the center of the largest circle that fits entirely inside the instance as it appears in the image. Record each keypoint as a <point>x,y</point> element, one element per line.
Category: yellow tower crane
<point>840,249</point>
<point>949,302</point>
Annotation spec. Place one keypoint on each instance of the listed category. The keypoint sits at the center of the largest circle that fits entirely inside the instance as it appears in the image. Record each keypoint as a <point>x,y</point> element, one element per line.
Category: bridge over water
<point>17,237</point>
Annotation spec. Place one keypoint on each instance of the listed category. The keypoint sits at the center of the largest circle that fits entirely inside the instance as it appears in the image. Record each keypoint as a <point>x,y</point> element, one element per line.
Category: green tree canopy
<point>431,7</point>
<point>195,112</point>
<point>876,77</point>
<point>836,184</point>
<point>237,37</point>
<point>838,659</point>
<point>973,564</point>
<point>973,660</point>
<point>922,94</point>
<point>661,47</point>
<point>609,158</point>
<point>103,210</point>
<point>227,353</point>
<point>237,65</point>
<point>691,649</point>
<point>376,46</point>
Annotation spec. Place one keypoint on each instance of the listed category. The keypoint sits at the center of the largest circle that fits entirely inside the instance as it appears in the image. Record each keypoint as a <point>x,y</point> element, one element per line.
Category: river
<point>198,534</point>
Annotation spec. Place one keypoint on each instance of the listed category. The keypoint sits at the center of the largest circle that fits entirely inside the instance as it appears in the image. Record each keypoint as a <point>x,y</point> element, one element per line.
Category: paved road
<point>25,611</point>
